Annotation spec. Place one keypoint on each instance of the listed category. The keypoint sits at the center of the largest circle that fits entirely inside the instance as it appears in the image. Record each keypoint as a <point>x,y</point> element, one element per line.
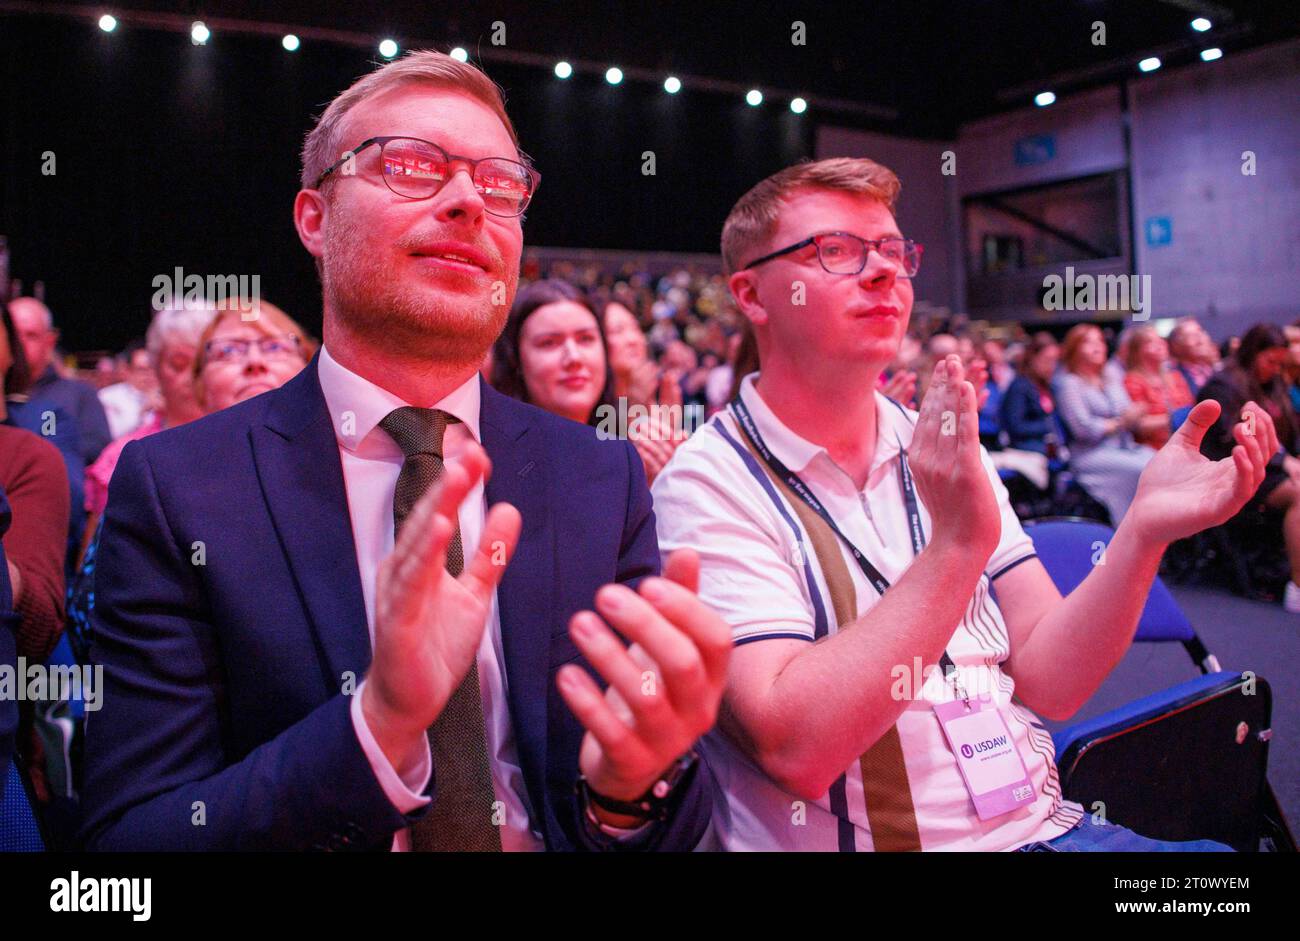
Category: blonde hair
<point>1073,343</point>
<point>270,320</point>
<point>1132,351</point>
<point>753,219</point>
<point>428,67</point>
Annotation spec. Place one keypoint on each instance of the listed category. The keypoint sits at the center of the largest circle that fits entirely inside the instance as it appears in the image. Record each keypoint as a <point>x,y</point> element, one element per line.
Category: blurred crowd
<point>1070,423</point>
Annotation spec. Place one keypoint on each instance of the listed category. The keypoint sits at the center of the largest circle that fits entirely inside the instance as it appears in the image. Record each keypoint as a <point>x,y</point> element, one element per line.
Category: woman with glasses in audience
<point>1150,382</point>
<point>1101,420</point>
<point>1255,372</point>
<point>240,358</point>
<point>553,354</point>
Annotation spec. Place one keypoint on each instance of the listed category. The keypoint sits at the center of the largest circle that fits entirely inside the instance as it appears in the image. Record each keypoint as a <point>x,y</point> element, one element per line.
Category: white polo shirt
<point>752,552</point>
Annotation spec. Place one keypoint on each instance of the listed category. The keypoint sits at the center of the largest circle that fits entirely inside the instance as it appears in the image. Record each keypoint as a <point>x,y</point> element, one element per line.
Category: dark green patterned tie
<point>462,816</point>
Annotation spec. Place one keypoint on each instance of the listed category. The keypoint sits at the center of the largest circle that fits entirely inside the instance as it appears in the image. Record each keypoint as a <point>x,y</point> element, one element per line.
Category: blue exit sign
<point>1038,148</point>
<point>1159,231</point>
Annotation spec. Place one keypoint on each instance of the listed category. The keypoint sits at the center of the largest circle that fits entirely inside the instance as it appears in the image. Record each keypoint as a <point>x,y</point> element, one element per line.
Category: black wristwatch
<point>655,803</point>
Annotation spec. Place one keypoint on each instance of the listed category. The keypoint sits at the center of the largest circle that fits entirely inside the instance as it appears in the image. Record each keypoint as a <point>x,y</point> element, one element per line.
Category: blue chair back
<point>1067,549</point>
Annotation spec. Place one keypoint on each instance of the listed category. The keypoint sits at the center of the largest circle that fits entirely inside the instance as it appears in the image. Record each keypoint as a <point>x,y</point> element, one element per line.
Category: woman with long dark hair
<point>1255,372</point>
<point>1028,407</point>
<point>553,354</point>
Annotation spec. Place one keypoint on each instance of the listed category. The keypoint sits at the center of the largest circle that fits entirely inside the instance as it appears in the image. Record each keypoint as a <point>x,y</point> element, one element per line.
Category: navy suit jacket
<point>1024,420</point>
<point>229,618</point>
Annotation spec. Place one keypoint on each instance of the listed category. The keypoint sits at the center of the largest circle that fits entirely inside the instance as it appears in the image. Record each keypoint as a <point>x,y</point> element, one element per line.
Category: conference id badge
<point>994,772</point>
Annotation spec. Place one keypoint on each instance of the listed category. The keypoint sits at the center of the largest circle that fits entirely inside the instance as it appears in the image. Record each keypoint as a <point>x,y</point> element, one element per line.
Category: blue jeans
<point>1091,837</point>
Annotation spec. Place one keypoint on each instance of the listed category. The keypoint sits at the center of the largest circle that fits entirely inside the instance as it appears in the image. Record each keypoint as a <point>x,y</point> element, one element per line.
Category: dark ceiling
<point>933,63</point>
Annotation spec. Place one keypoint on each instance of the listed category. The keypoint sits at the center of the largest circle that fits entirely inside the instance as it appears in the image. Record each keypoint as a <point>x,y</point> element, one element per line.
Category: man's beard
<point>370,301</point>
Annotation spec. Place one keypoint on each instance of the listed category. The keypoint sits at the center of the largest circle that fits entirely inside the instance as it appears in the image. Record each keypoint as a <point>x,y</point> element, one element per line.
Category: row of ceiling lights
<point>388,48</point>
<point>1150,63</point>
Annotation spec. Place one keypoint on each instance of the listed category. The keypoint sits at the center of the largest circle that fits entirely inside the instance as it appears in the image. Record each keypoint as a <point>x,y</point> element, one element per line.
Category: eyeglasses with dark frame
<point>846,253</point>
<point>417,169</point>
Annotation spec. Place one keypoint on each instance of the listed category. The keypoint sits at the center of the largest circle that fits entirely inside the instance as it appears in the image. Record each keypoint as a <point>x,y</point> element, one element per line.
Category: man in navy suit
<point>314,632</point>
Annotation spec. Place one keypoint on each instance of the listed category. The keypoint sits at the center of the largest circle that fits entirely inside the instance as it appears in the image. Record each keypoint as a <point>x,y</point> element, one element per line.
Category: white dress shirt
<point>371,464</point>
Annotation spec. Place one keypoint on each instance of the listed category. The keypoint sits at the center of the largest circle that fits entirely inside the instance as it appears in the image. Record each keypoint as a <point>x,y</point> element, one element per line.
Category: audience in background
<point>1149,383</point>
<point>238,358</point>
<point>717,386</point>
<point>942,345</point>
<point>171,346</point>
<point>77,399</point>
<point>1255,372</point>
<point>45,420</point>
<point>1001,372</point>
<point>676,339</point>
<point>1116,365</point>
<point>1028,410</point>
<point>1192,353</point>
<point>552,354</point>
<point>682,365</point>
<point>990,405</point>
<point>1292,371</point>
<point>635,375</point>
<point>129,402</point>
<point>1100,419</point>
<point>899,381</point>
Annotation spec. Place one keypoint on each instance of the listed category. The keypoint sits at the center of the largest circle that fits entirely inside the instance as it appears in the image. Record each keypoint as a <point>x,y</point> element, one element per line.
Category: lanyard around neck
<point>792,480</point>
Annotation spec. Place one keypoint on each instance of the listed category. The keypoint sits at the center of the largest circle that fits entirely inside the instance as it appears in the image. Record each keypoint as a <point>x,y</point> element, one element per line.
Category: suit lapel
<point>524,598</point>
<point>302,482</point>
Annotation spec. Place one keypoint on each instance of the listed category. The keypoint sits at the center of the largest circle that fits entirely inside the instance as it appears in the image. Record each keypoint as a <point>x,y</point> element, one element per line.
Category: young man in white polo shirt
<point>854,546</point>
